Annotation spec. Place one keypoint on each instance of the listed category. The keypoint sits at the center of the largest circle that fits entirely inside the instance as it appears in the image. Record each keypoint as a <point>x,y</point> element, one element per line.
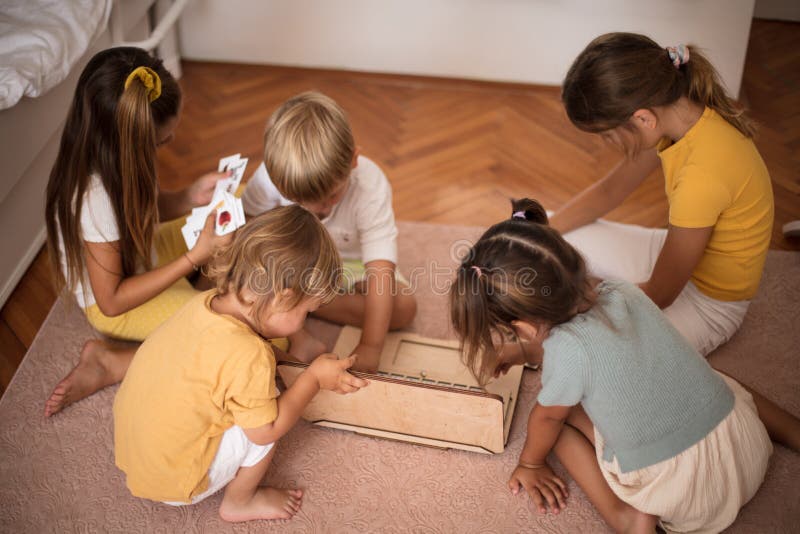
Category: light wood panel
<point>421,393</point>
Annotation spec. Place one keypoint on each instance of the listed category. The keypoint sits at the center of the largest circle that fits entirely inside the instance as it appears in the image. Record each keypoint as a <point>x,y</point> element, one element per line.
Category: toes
<point>54,403</point>
<point>288,512</point>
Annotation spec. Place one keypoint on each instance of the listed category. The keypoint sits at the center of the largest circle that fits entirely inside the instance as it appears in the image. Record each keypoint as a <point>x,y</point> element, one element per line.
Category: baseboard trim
<point>22,266</point>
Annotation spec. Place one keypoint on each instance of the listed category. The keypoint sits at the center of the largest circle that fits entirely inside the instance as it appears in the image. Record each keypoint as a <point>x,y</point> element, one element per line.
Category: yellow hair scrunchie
<point>149,79</point>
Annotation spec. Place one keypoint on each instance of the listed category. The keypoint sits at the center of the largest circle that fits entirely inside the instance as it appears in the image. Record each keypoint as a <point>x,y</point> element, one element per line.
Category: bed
<point>44,45</point>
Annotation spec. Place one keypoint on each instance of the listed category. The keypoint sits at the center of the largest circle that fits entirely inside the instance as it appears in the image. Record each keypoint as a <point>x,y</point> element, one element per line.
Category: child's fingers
<point>355,381</point>
<point>561,498</point>
<point>344,389</point>
<point>549,495</point>
<point>513,485</point>
<point>561,485</point>
<point>536,497</point>
<point>210,218</point>
<point>348,362</point>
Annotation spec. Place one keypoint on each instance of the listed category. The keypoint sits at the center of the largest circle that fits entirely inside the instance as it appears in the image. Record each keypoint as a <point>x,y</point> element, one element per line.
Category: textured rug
<point>58,474</point>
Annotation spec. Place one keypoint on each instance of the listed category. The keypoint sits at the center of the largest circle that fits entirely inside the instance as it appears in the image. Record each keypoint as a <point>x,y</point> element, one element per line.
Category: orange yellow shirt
<point>715,177</point>
<point>196,376</point>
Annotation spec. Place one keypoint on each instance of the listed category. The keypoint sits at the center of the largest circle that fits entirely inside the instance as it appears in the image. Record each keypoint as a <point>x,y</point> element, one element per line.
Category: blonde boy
<point>310,158</point>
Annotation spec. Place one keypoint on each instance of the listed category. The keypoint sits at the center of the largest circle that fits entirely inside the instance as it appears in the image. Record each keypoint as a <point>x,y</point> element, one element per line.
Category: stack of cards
<point>230,213</point>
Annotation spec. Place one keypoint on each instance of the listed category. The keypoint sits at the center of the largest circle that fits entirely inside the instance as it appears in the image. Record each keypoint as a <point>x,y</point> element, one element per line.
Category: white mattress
<point>40,41</point>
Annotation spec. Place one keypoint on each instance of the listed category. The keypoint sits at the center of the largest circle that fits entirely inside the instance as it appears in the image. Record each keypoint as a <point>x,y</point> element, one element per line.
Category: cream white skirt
<point>702,488</point>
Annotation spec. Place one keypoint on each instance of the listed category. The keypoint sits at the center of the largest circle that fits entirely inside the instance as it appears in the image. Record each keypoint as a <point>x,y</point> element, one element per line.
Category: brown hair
<point>308,147</point>
<point>619,73</point>
<point>284,248</point>
<point>520,268</point>
<point>110,131</point>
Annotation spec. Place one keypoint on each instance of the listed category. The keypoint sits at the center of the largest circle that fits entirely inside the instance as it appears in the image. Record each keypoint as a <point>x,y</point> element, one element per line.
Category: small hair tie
<point>477,270</point>
<point>679,55</point>
<point>149,79</point>
<point>519,215</point>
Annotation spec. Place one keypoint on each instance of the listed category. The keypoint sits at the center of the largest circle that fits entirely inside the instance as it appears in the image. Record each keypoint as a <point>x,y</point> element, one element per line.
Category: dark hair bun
<point>531,209</point>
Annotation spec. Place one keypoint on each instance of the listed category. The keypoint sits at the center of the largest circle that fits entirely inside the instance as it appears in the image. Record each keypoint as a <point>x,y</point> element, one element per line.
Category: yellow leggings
<point>136,324</point>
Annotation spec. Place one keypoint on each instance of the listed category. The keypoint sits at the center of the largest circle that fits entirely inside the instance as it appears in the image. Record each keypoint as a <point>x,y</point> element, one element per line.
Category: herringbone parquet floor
<point>455,151</point>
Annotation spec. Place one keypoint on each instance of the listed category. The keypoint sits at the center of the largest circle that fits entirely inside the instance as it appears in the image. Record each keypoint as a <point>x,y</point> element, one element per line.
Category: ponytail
<point>706,89</point>
<point>520,268</point>
<point>619,73</point>
<point>137,168</point>
<point>530,210</point>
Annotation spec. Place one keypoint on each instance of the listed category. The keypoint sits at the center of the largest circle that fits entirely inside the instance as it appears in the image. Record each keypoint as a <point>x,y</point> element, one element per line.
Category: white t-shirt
<point>98,225</point>
<point>361,224</point>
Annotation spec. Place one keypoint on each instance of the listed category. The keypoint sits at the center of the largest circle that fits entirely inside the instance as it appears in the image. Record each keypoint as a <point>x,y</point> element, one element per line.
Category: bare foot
<point>100,365</point>
<point>266,503</point>
<point>304,346</point>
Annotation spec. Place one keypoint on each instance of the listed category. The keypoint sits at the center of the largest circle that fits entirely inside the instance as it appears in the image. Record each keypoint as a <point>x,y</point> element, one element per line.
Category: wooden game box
<point>422,393</point>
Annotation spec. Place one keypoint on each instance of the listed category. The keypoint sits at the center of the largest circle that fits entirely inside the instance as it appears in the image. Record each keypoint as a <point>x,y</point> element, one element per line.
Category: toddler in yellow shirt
<point>198,410</point>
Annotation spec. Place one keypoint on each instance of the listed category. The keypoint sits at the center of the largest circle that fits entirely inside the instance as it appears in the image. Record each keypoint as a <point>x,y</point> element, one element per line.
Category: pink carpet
<point>58,474</point>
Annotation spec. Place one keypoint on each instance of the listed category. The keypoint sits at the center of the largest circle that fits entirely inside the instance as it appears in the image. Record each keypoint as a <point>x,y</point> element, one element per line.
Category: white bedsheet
<point>40,41</point>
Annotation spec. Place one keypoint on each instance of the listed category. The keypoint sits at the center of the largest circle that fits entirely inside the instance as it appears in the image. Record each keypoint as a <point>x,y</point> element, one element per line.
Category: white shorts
<point>235,451</point>
<point>629,252</point>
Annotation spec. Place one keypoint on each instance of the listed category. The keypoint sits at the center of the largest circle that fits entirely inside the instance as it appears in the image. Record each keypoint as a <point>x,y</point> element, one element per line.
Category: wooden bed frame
<point>422,393</point>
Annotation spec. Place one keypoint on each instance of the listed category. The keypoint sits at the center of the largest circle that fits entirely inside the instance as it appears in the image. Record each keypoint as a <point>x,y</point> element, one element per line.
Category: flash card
<point>190,234</point>
<point>236,165</point>
<point>224,162</point>
<point>229,215</point>
<point>229,210</point>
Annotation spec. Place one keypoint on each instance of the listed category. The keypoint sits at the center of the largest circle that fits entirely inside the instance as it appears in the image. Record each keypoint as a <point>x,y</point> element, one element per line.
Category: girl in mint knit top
<point>648,430</point>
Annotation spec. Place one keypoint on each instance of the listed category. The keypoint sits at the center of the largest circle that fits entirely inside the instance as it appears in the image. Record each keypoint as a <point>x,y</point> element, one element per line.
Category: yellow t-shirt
<point>716,177</point>
<point>197,375</point>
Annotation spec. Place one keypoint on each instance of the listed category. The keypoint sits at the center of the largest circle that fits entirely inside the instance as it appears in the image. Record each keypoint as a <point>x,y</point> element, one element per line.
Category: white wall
<point>531,41</point>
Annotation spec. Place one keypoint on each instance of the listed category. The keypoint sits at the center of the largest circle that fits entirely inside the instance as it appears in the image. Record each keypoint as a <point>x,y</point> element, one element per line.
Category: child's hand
<point>331,374</point>
<point>201,191</point>
<point>510,355</point>
<point>542,485</point>
<point>208,241</point>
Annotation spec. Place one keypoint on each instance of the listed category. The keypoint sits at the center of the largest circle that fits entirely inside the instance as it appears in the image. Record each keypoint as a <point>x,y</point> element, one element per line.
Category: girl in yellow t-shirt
<point>666,104</point>
<point>198,410</point>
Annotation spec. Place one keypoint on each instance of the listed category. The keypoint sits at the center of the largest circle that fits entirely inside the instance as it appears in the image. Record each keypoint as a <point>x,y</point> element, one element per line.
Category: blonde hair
<point>619,73</point>
<point>284,248</point>
<point>308,147</point>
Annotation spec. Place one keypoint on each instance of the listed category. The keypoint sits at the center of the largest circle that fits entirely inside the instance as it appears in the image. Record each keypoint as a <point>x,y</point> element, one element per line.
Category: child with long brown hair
<point>648,430</point>
<point>108,247</point>
<point>666,105</point>
<point>198,410</point>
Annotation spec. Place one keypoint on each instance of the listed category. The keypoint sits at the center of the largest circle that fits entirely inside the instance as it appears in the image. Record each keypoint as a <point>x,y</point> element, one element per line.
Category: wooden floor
<point>455,151</point>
